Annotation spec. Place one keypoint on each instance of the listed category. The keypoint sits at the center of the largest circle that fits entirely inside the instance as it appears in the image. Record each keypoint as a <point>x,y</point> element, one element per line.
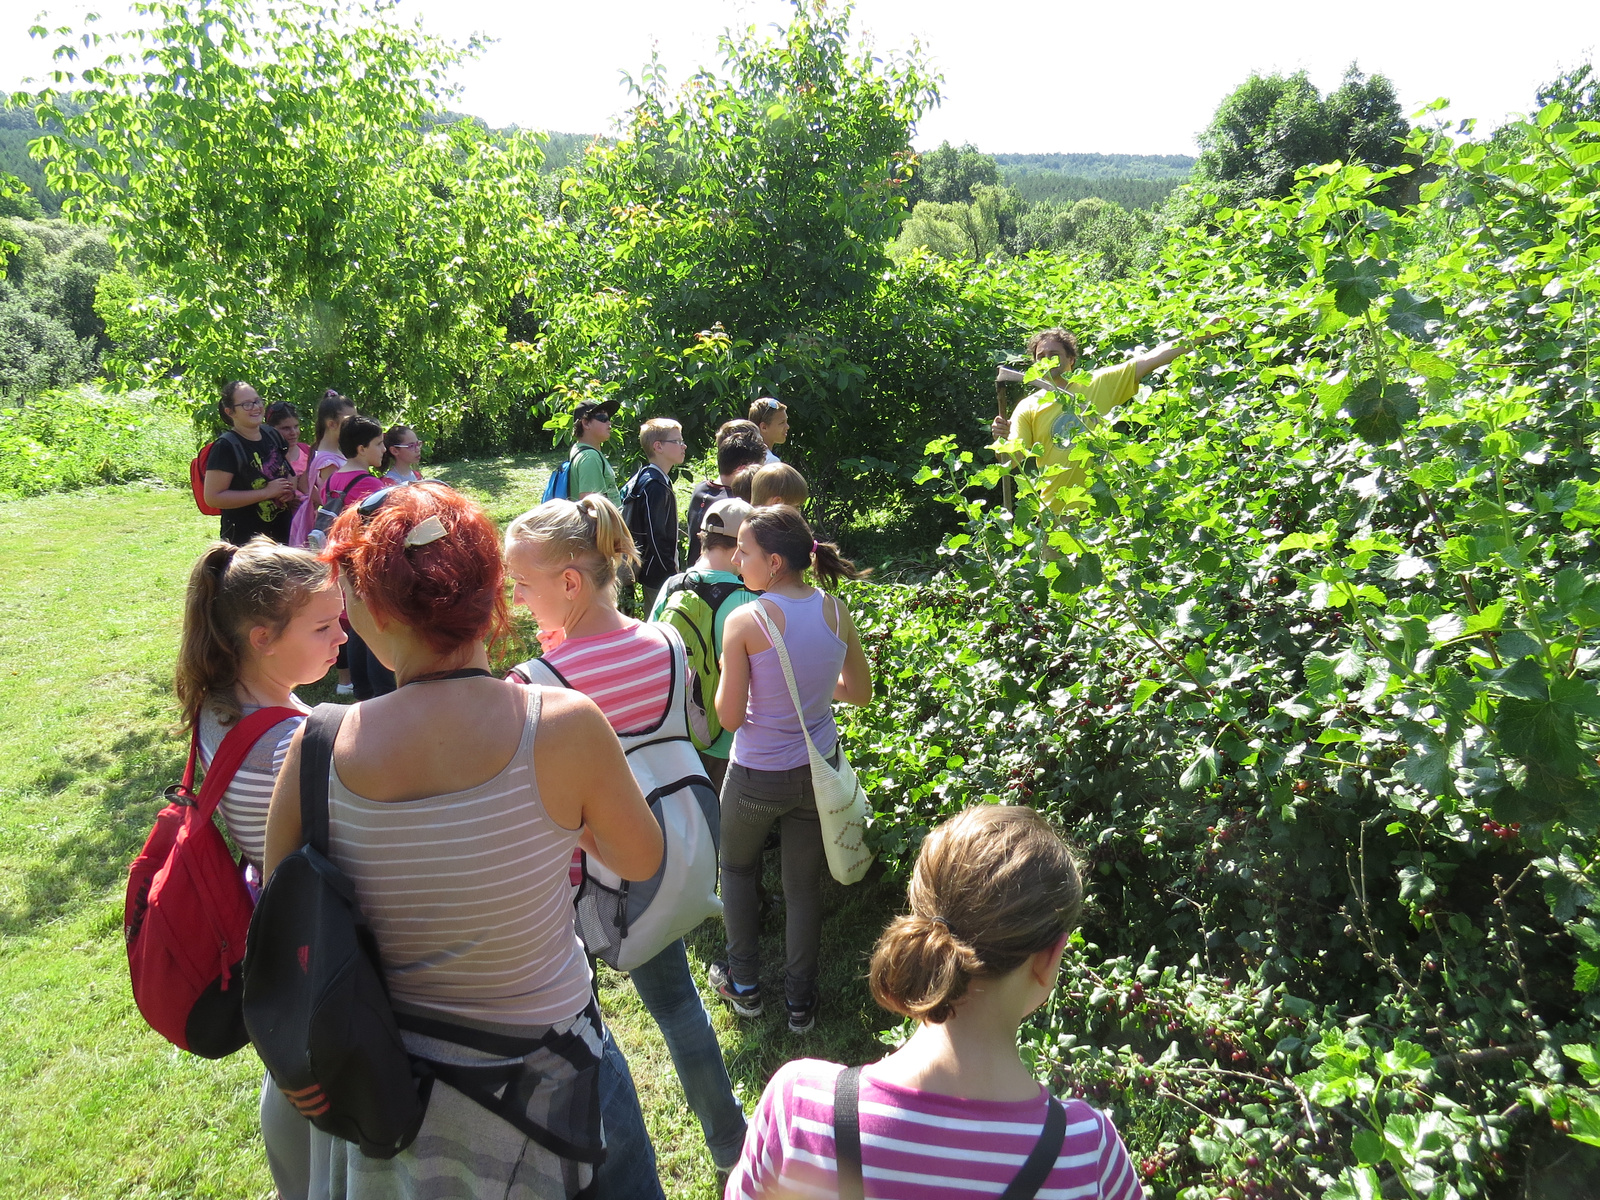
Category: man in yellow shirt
<point>1049,420</point>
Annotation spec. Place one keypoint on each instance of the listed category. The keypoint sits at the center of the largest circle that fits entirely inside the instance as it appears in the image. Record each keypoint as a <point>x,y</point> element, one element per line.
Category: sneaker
<point>802,1017</point>
<point>345,689</point>
<point>746,1002</point>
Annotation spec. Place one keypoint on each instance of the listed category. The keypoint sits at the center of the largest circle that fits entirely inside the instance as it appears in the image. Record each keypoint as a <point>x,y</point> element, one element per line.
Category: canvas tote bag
<point>841,800</point>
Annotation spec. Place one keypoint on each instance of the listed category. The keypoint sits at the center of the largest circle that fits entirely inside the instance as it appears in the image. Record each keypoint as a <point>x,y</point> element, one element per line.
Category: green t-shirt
<point>591,472</point>
<point>723,746</point>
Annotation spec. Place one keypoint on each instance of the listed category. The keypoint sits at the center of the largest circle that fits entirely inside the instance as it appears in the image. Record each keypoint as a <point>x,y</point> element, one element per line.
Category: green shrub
<point>83,436</point>
<point>1312,677</point>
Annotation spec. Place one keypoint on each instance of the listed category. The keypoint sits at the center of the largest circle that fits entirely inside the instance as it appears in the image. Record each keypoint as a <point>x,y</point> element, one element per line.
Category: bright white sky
<point>1137,78</point>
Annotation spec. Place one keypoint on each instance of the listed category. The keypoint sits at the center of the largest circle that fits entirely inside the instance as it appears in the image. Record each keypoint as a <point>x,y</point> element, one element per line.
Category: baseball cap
<point>725,516</point>
<point>590,409</point>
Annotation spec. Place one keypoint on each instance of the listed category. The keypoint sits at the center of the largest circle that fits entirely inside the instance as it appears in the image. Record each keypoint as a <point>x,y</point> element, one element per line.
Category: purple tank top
<point>770,738</point>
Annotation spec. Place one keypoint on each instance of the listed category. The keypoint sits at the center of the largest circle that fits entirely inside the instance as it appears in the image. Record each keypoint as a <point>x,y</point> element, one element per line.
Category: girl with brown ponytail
<point>259,620</point>
<point>769,765</point>
<point>993,898</point>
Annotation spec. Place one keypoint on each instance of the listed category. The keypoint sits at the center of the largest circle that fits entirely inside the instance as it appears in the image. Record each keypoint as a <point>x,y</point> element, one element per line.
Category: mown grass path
<point>94,1104</point>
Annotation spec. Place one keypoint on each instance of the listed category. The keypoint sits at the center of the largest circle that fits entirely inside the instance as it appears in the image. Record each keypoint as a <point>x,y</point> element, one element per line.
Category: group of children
<point>455,806</point>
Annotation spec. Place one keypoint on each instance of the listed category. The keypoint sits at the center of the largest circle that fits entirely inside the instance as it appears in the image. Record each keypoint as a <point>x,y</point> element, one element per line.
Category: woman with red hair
<point>454,805</point>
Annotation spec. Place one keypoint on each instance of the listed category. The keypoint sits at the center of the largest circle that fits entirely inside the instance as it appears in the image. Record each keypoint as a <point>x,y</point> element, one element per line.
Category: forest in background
<point>1309,674</point>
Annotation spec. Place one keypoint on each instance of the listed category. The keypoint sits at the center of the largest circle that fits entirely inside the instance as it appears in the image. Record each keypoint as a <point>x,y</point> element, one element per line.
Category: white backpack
<point>627,924</point>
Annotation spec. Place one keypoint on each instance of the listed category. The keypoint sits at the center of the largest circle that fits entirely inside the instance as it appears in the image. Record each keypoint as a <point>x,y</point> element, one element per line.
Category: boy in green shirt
<point>591,471</point>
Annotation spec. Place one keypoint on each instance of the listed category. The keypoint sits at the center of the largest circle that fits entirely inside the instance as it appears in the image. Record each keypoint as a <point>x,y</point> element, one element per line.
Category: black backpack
<point>318,1008</point>
<point>315,1000</point>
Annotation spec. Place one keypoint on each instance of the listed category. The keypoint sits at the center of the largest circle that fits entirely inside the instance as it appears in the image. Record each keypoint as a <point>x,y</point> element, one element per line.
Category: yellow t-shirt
<point>1048,427</point>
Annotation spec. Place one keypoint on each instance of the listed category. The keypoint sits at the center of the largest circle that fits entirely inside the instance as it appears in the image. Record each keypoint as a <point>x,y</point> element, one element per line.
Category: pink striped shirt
<point>916,1145</point>
<point>628,673</point>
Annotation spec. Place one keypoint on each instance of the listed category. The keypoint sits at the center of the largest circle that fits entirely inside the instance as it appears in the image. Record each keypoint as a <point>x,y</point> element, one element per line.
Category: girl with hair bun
<point>993,898</point>
<point>259,620</point>
<point>454,805</point>
<point>769,771</point>
<point>564,559</point>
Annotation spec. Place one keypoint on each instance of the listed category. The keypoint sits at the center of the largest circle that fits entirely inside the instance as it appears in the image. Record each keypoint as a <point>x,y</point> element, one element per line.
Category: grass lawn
<point>92,1103</point>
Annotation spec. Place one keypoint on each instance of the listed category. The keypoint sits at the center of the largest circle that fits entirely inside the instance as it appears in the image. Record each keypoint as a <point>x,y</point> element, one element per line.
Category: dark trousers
<point>751,802</point>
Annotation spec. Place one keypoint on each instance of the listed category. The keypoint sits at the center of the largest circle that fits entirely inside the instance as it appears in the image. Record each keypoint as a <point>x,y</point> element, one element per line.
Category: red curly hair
<point>451,592</point>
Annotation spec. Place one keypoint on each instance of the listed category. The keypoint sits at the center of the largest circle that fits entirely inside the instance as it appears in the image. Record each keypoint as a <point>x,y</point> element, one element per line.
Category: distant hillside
<point>17,129</point>
<point>1132,180</point>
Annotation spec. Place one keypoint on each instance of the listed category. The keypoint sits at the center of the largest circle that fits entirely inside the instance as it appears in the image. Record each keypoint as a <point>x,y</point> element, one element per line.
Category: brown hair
<point>654,431</point>
<point>781,530</point>
<point>743,482</point>
<point>449,591</point>
<point>589,533</point>
<point>992,887</point>
<point>1056,334</point>
<point>779,483</point>
<point>739,445</point>
<point>717,541</point>
<point>331,408</point>
<point>233,589</point>
<point>765,410</point>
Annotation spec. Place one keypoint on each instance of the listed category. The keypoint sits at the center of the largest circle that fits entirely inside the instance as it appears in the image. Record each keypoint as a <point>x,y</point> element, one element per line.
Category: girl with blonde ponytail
<point>564,559</point>
<point>993,898</point>
<point>259,620</point>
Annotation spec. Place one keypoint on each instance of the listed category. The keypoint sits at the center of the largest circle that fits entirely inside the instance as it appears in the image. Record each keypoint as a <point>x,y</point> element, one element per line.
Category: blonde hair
<point>654,431</point>
<point>779,483</point>
<point>992,887</point>
<point>232,590</point>
<point>589,534</point>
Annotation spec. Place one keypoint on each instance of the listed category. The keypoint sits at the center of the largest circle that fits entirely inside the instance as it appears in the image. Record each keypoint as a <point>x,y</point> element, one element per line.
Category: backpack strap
<point>1042,1160</point>
<point>316,760</point>
<point>525,673</point>
<point>230,756</point>
<point>847,1134</point>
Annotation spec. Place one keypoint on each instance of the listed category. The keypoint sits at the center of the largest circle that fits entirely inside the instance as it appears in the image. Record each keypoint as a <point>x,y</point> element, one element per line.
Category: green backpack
<point>691,609</point>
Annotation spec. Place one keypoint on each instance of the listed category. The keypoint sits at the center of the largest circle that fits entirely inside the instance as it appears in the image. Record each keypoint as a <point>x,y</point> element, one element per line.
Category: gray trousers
<point>751,802</point>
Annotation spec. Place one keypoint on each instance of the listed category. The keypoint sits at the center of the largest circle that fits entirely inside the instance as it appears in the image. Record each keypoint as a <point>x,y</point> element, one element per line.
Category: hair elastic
<point>941,921</point>
<point>813,548</point>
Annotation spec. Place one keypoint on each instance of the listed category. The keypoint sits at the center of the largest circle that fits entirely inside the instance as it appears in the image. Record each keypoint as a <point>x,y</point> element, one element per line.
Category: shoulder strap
<point>316,760</point>
<point>776,639</point>
<point>1042,1160</point>
<point>847,1134</point>
<point>230,756</point>
<point>525,672</point>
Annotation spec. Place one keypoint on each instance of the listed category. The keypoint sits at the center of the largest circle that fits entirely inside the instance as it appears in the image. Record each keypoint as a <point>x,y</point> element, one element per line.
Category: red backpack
<point>197,480</point>
<point>188,910</point>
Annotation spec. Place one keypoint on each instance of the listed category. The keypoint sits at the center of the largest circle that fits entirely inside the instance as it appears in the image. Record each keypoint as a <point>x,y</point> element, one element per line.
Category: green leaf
<point>1367,1146</point>
<point>1406,1058</point>
<point>1584,1116</point>
<point>1428,765</point>
<point>1414,316</point>
<point>1379,412</point>
<point>1142,693</point>
<point>1200,772</point>
<point>1585,509</point>
<point>1357,1183</point>
<point>1357,284</point>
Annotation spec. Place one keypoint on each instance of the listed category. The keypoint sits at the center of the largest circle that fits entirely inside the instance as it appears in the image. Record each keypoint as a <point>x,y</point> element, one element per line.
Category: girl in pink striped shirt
<point>953,1112</point>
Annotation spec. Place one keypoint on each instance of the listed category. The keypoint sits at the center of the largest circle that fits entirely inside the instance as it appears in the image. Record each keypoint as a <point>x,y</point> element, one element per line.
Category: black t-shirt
<point>252,466</point>
<point>705,495</point>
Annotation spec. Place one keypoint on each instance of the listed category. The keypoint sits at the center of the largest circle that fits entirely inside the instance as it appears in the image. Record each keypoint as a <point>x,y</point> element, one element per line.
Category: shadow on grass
<point>848,1020</point>
<point>128,777</point>
<point>493,475</point>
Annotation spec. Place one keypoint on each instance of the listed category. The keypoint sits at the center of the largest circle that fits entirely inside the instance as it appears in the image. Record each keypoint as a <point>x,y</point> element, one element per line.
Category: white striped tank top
<point>244,805</point>
<point>468,895</point>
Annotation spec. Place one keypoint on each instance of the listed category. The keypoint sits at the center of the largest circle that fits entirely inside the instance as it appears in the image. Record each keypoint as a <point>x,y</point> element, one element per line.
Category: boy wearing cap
<point>719,534</point>
<point>591,471</point>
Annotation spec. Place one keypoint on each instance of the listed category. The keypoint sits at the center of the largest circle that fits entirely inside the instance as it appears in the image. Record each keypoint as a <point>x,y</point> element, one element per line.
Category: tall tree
<point>1273,126</point>
<point>298,217</point>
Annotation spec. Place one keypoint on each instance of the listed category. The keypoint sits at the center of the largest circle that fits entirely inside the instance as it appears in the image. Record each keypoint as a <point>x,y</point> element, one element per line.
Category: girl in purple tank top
<point>769,772</point>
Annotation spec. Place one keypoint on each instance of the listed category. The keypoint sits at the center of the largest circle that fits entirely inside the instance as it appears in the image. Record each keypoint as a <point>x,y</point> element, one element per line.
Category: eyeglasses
<point>255,404</point>
<point>378,499</point>
<point>768,404</point>
<point>671,442</point>
<point>406,446</point>
<point>604,417</point>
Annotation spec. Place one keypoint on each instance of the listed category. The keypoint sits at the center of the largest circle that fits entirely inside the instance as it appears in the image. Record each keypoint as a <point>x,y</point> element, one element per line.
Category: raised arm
<point>1160,357</point>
